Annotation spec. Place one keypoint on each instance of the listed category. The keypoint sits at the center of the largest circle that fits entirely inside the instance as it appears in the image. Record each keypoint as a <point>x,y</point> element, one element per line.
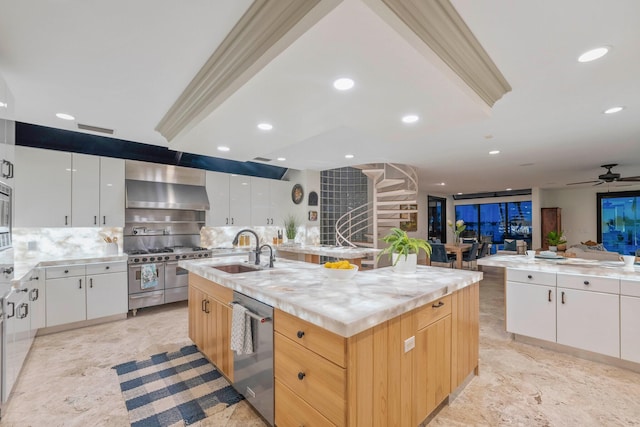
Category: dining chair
<point>439,255</point>
<point>484,250</point>
<point>471,256</point>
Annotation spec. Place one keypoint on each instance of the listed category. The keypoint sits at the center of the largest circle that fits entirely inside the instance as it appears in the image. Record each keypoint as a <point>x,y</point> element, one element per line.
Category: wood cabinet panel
<point>433,366</point>
<point>221,293</point>
<point>550,220</point>
<point>465,334</point>
<point>291,411</point>
<point>433,311</point>
<point>315,338</point>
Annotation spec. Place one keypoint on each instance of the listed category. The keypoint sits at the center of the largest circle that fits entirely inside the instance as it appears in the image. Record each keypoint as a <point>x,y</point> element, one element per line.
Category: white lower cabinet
<point>84,292</point>
<point>630,320</point>
<point>531,310</point>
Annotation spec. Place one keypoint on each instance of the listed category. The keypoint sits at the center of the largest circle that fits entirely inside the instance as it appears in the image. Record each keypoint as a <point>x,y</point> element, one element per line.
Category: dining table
<point>457,249</point>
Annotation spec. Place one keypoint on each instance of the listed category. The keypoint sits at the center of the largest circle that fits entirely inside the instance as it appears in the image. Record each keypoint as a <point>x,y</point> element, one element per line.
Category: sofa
<point>597,252</point>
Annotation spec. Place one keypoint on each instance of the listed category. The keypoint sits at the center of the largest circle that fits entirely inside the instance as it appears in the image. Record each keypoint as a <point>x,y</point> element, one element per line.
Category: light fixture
<point>613,110</point>
<point>593,54</point>
<point>281,159</point>
<point>459,194</point>
<point>410,118</point>
<point>508,189</point>
<point>343,83</point>
<point>223,148</point>
<point>494,152</point>
<point>265,126</point>
<point>348,156</point>
<point>442,184</point>
<point>3,104</point>
<point>65,116</point>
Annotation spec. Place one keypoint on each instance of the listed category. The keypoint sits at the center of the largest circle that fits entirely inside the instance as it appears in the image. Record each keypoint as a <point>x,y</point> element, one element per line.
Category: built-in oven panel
<point>175,276</point>
<point>146,299</point>
<point>135,280</point>
<point>176,294</point>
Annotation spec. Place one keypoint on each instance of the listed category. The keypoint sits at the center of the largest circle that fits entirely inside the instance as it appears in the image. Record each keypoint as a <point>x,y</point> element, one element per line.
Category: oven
<point>140,296</point>
<point>176,282</point>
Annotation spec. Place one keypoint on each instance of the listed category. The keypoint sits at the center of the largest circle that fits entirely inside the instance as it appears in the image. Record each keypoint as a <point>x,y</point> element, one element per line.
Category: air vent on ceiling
<point>261,159</point>
<point>95,129</point>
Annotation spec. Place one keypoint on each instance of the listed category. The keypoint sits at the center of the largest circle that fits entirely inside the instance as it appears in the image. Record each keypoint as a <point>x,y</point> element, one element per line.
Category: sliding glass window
<point>498,221</point>
<point>619,221</point>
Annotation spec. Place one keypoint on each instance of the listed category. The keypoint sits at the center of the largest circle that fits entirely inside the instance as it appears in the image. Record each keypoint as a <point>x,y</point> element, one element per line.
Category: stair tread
<point>396,202</point>
<point>388,182</point>
<point>396,211</point>
<point>395,193</point>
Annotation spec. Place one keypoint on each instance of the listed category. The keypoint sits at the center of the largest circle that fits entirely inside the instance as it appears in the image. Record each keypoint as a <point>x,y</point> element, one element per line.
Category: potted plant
<point>404,250</point>
<point>291,227</point>
<point>555,239</point>
<point>458,227</point>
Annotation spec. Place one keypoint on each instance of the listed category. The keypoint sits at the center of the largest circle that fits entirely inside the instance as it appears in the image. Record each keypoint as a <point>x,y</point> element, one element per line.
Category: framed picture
<point>313,199</point>
<point>313,215</point>
<point>409,221</point>
<point>297,194</point>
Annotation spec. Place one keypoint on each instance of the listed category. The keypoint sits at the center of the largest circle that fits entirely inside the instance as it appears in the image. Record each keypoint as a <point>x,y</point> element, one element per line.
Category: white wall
<point>309,231</point>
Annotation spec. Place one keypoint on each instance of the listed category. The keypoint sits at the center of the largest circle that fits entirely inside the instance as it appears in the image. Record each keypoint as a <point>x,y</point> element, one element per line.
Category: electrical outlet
<point>409,344</point>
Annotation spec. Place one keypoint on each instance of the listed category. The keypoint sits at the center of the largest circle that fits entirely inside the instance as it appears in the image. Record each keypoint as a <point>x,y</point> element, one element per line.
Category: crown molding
<point>265,30</point>
<point>438,25</point>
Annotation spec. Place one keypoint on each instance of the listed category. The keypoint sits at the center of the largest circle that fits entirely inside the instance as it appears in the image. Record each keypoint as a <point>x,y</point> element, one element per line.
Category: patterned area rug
<point>172,389</point>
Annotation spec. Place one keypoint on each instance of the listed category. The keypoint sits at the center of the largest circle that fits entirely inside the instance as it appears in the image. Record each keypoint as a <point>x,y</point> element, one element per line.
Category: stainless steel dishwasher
<point>253,373</point>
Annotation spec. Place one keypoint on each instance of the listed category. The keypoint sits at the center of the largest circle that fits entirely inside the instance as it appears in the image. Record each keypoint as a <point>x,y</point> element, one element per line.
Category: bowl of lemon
<point>340,270</point>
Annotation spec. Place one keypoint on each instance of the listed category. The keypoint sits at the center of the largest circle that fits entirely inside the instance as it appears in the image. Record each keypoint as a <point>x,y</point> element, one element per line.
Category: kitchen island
<point>312,253</point>
<point>587,308</point>
<point>379,349</point>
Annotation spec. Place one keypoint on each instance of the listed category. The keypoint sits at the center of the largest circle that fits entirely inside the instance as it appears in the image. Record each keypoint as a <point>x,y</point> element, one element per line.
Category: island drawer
<point>433,311</point>
<point>65,271</point>
<point>630,287</point>
<point>608,285</point>
<point>293,411</point>
<point>317,339</point>
<point>219,292</point>
<point>313,378</point>
<point>528,276</point>
<point>106,267</point>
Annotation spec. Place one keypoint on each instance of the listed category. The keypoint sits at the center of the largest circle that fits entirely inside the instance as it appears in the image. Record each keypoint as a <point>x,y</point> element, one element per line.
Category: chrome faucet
<point>257,250</point>
<point>272,258</point>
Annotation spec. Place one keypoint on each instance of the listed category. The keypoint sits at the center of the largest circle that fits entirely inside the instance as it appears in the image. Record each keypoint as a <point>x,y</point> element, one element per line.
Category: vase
<point>553,248</point>
<point>404,264</point>
<point>456,240</point>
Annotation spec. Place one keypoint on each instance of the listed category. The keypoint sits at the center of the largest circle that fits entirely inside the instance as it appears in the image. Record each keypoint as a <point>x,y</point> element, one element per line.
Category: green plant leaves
<point>400,243</point>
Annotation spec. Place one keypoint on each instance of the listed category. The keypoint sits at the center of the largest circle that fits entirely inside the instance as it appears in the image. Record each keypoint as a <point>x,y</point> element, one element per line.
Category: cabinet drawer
<point>293,411</point>
<point>433,311</point>
<point>589,283</point>
<point>528,276</point>
<point>106,267</point>
<point>219,292</point>
<point>65,271</point>
<point>314,379</point>
<point>630,287</point>
<point>317,339</point>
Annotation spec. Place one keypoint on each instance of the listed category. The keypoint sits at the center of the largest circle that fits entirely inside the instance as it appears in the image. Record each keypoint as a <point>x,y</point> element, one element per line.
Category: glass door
<point>437,213</point>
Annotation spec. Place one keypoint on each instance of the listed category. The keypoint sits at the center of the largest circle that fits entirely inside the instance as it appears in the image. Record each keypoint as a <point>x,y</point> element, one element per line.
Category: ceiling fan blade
<point>585,182</point>
<point>599,183</point>
<point>630,178</point>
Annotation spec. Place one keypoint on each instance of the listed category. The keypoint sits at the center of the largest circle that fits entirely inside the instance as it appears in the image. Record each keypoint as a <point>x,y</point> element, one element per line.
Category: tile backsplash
<point>64,242</point>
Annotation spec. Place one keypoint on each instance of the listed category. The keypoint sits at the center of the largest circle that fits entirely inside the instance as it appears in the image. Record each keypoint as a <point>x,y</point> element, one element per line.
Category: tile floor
<point>68,381</point>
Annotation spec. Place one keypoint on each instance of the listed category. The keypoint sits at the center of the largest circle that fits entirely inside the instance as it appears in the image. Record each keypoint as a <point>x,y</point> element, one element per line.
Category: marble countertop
<point>589,267</point>
<point>345,307</point>
<point>326,250</point>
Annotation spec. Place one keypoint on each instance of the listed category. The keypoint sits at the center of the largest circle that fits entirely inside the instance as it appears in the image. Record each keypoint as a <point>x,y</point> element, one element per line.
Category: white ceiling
<point>122,64</point>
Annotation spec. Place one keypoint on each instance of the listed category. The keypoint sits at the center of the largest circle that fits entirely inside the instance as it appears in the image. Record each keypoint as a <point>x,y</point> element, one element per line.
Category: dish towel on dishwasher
<point>241,335</point>
<point>148,276</point>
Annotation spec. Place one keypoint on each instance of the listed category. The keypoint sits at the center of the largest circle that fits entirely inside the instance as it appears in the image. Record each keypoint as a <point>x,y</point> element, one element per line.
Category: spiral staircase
<point>394,190</point>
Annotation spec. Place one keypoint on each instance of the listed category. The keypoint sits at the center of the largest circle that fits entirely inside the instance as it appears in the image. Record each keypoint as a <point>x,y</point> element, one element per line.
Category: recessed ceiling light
<point>442,184</point>
<point>3,104</point>
<point>459,194</point>
<point>265,126</point>
<point>489,136</point>
<point>494,152</point>
<point>223,148</point>
<point>245,183</point>
<point>65,116</point>
<point>411,118</point>
<point>613,110</point>
<point>593,54</point>
<point>508,189</point>
<point>281,159</point>
<point>348,156</point>
<point>343,84</point>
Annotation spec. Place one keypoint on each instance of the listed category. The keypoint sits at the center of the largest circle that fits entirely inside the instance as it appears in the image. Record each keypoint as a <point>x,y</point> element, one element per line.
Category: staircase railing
<point>351,223</point>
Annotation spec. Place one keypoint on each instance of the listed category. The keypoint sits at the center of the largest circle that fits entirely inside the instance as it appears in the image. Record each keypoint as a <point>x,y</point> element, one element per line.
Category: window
<point>619,221</point>
<point>437,218</point>
<point>499,221</point>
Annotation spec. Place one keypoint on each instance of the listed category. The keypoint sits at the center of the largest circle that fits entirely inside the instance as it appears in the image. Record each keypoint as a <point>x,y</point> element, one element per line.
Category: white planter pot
<point>405,264</point>
<point>553,248</point>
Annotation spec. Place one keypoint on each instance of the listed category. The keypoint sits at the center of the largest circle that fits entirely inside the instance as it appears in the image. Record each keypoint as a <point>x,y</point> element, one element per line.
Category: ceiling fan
<point>608,177</point>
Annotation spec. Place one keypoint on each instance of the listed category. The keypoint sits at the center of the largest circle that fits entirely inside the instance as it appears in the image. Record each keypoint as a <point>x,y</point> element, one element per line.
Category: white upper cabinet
<point>270,201</point>
<point>7,150</point>
<point>280,201</point>
<point>240,200</point>
<point>42,190</point>
<point>60,189</point>
<point>229,198</point>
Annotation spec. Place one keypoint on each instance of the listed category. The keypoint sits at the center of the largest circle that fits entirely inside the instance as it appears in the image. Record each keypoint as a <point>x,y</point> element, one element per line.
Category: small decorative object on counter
<point>291,227</point>
<point>404,250</point>
<point>457,229</point>
<point>555,239</point>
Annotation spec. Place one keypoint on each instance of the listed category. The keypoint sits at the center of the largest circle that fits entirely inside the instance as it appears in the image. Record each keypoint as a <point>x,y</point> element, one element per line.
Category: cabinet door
<point>85,190</point>
<point>432,366</point>
<point>37,298</point>
<point>260,202</point>
<point>111,192</point>
<point>197,317</point>
<point>218,191</point>
<point>106,295</point>
<point>221,334</point>
<point>531,310</point>
<point>65,300</point>
<point>589,321</point>
<point>42,179</point>
<point>240,200</point>
<point>280,204</point>
<point>629,331</point>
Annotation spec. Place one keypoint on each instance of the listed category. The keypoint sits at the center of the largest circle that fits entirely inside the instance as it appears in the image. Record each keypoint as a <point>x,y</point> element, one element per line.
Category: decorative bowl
<point>340,273</point>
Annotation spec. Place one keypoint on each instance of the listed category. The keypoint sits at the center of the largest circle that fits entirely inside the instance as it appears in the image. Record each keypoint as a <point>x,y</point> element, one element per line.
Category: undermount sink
<point>236,268</point>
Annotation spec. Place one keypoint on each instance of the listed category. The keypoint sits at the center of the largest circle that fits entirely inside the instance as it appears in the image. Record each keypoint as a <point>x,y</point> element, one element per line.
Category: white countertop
<point>343,307</point>
<point>566,265</point>
<point>343,252</point>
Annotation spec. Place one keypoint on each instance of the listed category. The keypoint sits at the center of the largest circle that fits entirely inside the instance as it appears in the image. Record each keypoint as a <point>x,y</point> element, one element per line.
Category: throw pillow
<point>597,247</point>
<point>510,246</point>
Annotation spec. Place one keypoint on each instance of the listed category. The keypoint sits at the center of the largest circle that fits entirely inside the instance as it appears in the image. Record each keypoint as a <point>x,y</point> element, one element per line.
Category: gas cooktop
<point>142,256</point>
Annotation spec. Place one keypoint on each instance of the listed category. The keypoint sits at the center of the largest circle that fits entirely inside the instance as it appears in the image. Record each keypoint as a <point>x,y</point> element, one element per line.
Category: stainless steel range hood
<point>165,195</point>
